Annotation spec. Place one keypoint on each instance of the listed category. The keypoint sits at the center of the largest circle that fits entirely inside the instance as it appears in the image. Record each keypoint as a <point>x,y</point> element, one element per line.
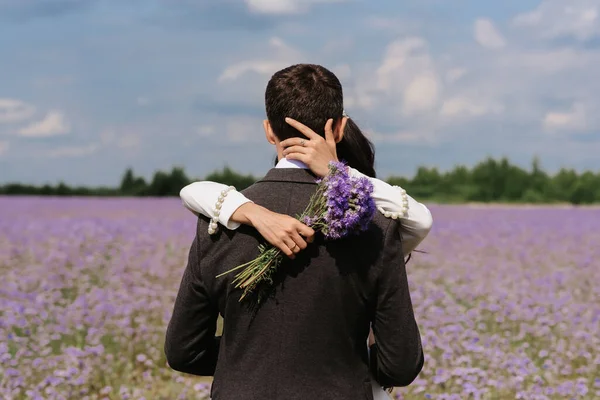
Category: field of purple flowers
<point>508,300</point>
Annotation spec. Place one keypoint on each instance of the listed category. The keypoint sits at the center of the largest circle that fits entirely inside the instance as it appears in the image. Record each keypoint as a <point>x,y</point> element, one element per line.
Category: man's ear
<point>339,129</point>
<point>271,138</point>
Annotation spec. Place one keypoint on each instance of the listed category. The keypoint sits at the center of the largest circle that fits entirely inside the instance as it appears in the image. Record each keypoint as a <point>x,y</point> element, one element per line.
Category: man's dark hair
<point>308,93</point>
<point>311,94</point>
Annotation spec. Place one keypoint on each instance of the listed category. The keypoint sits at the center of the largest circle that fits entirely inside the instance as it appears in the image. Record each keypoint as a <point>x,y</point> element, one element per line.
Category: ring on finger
<point>302,142</point>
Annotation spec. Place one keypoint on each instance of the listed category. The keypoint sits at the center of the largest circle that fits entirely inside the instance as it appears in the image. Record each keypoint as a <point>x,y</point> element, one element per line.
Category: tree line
<point>489,181</point>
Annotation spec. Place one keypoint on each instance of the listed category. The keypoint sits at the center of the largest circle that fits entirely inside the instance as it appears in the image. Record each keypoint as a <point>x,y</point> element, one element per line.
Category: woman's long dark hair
<point>357,150</point>
<point>359,153</point>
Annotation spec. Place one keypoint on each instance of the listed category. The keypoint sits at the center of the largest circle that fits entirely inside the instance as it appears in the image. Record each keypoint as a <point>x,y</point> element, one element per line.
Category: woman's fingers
<point>296,149</point>
<point>296,141</point>
<point>283,231</point>
<point>306,231</point>
<point>305,130</point>
<point>309,133</point>
<point>292,247</point>
<point>295,243</point>
<point>291,142</point>
<point>299,240</point>
<point>281,245</point>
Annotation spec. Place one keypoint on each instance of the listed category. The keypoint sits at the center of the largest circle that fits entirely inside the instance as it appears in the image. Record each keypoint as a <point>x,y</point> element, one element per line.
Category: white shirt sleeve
<point>417,221</point>
<point>201,198</point>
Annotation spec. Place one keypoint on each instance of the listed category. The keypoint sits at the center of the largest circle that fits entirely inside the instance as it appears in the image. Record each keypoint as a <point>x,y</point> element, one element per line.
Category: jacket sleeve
<point>190,344</point>
<point>397,357</point>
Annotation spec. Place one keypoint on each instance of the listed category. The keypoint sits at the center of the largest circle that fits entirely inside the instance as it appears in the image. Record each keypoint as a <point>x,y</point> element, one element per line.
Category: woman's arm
<point>202,197</point>
<point>231,209</point>
<point>394,202</point>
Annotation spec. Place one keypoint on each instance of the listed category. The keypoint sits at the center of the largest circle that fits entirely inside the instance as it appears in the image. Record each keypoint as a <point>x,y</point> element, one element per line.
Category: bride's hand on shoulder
<point>314,151</point>
<point>282,231</point>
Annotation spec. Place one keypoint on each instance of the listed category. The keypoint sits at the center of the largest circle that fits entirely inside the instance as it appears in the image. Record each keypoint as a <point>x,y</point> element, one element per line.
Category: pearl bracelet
<point>212,227</point>
<point>403,210</point>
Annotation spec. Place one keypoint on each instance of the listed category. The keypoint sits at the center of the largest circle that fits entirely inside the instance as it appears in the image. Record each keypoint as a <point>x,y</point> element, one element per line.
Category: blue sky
<point>90,87</point>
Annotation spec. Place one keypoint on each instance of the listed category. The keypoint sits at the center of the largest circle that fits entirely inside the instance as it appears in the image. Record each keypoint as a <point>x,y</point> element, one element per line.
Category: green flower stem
<point>236,268</point>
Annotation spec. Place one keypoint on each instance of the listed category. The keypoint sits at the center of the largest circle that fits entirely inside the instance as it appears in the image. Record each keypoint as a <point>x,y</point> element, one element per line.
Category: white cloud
<point>12,110</point>
<point>555,18</point>
<point>44,82</point>
<point>206,130</point>
<point>574,119</point>
<point>277,7</point>
<point>455,74</point>
<point>243,129</point>
<point>553,61</point>
<point>487,35</point>
<point>282,56</point>
<point>54,123</point>
<point>339,45</point>
<point>4,146</point>
<point>463,106</point>
<point>120,138</point>
<point>421,94</point>
<point>402,88</point>
<point>359,98</point>
<point>394,25</point>
<point>261,67</point>
<point>108,136</point>
<point>235,129</point>
<point>397,59</point>
<point>129,141</point>
<point>406,137</point>
<point>342,71</point>
<point>405,90</point>
<point>407,73</point>
<point>73,151</point>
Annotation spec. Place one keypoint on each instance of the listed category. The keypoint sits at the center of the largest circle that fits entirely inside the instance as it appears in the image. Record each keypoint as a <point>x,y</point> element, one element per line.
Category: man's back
<point>308,341</point>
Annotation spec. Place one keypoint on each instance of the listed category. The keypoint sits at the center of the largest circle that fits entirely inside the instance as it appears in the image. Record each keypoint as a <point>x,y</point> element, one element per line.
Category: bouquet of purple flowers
<point>341,206</point>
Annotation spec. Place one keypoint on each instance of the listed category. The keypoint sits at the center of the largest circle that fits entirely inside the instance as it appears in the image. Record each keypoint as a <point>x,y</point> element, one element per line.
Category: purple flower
<point>349,205</point>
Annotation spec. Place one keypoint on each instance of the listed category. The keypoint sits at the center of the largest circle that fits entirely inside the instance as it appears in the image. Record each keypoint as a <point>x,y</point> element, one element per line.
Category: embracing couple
<point>340,324</point>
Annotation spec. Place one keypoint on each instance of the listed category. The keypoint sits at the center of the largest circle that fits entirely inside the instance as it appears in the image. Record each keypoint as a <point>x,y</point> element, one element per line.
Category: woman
<point>315,154</point>
<point>231,208</point>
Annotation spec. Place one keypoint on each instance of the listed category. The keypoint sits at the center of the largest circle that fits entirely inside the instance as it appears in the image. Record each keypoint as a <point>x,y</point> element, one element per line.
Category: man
<point>308,341</point>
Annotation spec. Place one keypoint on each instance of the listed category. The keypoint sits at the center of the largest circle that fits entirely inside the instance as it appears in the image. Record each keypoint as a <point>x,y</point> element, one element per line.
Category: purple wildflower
<point>350,207</point>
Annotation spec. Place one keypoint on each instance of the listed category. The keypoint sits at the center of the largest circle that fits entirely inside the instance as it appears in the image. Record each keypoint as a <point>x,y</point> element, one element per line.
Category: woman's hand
<point>315,151</point>
<point>282,231</point>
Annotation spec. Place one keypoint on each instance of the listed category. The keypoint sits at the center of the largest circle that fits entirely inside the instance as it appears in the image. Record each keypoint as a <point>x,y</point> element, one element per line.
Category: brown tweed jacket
<point>308,341</point>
